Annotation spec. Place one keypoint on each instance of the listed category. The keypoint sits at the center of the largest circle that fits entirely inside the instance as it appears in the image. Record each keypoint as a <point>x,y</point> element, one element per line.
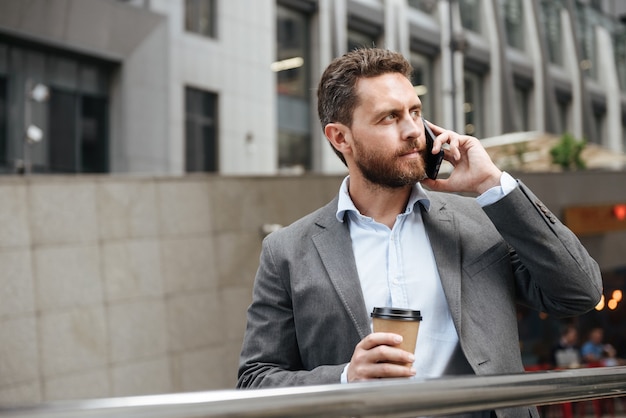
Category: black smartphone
<point>433,161</point>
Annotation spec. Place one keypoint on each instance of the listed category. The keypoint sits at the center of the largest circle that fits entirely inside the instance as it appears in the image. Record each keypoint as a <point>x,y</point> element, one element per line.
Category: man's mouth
<point>409,152</point>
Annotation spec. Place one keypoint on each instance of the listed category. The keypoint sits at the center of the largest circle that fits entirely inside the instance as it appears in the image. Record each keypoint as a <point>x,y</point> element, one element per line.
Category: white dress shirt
<point>397,268</point>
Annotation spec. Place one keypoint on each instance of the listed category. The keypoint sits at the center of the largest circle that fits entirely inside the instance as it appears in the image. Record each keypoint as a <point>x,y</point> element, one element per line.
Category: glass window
<point>522,99</point>
<point>64,72</point>
<point>513,13</point>
<point>4,59</point>
<point>4,164</point>
<point>200,17</point>
<point>551,20</point>
<point>293,90</point>
<point>62,157</point>
<point>619,47</point>
<point>73,117</point>
<point>586,36</point>
<point>424,84</point>
<point>36,67</point>
<point>78,133</point>
<point>427,6</point>
<point>292,73</point>
<point>92,80</point>
<point>92,136</point>
<point>200,130</point>
<point>357,39</point>
<point>564,103</point>
<point>599,120</point>
<point>624,130</point>
<point>596,4</point>
<point>470,14</point>
<point>473,105</point>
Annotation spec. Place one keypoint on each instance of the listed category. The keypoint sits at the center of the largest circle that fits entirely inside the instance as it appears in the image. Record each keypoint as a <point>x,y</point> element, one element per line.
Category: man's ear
<point>338,135</point>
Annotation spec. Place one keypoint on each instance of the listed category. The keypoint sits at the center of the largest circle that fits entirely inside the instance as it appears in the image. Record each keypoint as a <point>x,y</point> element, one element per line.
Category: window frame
<point>193,15</point>
<point>201,122</point>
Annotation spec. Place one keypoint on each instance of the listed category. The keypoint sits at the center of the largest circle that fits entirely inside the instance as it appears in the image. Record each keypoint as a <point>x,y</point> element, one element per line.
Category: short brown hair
<point>336,93</point>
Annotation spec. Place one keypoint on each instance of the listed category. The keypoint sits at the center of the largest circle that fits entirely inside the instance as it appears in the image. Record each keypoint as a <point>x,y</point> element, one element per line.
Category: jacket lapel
<point>334,246</point>
<point>444,239</point>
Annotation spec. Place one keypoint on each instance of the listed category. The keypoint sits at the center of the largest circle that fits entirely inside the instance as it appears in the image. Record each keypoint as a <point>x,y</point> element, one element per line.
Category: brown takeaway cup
<point>405,322</point>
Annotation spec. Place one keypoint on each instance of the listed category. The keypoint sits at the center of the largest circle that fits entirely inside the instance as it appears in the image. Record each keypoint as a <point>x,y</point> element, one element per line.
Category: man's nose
<point>411,128</point>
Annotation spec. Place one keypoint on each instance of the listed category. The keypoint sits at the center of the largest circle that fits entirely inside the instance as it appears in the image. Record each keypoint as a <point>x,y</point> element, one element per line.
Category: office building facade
<point>167,87</point>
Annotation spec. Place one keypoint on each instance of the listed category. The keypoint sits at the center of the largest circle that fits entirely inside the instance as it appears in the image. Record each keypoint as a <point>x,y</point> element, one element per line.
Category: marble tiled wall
<point>116,286</point>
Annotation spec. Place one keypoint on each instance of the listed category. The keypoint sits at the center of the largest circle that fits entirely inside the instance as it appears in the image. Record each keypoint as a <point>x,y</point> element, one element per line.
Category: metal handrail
<point>389,398</point>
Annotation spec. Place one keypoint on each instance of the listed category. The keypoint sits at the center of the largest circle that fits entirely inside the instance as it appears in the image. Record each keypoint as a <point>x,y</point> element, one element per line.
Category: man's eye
<point>416,114</point>
<point>390,116</point>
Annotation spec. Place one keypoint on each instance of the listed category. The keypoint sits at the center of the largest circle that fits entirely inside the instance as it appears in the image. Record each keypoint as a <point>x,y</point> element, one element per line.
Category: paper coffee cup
<point>405,322</point>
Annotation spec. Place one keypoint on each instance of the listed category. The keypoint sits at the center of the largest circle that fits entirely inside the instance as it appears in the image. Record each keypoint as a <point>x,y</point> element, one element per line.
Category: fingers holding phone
<point>473,170</point>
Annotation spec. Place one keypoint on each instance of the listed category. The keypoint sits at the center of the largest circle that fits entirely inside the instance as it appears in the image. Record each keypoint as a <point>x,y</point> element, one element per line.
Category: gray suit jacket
<point>308,312</point>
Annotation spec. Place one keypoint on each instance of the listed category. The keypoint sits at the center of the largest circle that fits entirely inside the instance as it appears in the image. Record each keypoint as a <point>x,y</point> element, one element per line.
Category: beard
<point>388,170</point>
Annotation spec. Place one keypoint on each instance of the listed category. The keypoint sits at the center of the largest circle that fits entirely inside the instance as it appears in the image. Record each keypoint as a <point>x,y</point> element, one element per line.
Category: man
<point>385,241</point>
<point>595,352</point>
<point>565,353</point>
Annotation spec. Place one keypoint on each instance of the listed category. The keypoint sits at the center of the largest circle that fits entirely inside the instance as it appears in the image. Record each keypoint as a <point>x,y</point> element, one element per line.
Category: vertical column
<point>333,42</point>
<point>448,70</point>
<point>539,60</point>
<point>496,99</point>
<point>397,26</point>
<point>581,105</point>
<point>571,62</point>
<point>608,79</point>
<point>332,31</point>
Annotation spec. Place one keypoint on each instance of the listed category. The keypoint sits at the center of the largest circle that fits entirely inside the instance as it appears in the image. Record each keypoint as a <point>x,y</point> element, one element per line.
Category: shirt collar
<point>345,204</point>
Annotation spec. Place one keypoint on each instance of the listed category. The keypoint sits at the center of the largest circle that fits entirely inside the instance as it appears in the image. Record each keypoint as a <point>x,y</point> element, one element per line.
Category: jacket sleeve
<point>270,355</point>
<point>554,272</point>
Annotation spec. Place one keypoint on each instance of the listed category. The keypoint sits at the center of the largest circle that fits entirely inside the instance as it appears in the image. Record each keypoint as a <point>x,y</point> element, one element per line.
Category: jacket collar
<point>345,204</point>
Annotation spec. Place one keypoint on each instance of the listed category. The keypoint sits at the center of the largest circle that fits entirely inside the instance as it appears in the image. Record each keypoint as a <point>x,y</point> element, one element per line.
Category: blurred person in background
<point>566,353</point>
<point>595,352</point>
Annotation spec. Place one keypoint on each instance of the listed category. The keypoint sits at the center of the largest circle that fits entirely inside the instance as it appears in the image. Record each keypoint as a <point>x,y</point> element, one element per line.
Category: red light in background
<point>619,211</point>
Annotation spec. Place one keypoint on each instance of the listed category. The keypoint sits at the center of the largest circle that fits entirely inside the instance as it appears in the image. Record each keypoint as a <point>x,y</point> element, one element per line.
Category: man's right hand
<point>376,356</point>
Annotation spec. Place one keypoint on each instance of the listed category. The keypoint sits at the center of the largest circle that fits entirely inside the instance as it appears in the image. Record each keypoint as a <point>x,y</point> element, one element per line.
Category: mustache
<point>410,147</point>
